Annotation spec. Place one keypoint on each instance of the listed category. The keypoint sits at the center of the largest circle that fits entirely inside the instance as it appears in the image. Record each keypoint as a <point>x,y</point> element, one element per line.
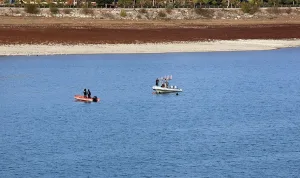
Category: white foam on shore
<point>212,46</point>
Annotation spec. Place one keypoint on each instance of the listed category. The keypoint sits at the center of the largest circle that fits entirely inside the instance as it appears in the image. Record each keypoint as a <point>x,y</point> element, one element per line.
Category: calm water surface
<point>239,115</point>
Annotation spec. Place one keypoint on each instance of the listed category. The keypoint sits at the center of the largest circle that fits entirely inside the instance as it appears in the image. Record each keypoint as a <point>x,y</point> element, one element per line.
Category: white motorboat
<point>171,89</point>
<point>162,85</point>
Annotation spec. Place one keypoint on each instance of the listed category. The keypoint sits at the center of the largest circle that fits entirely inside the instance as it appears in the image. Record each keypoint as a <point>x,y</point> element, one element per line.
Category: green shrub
<point>249,8</point>
<point>162,14</point>
<point>53,9</point>
<point>139,16</point>
<point>123,13</point>
<point>32,9</point>
<point>204,12</point>
<point>67,11</point>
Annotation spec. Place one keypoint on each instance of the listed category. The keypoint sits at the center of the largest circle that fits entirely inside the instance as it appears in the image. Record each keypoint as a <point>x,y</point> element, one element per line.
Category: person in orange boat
<point>84,93</point>
<point>89,93</point>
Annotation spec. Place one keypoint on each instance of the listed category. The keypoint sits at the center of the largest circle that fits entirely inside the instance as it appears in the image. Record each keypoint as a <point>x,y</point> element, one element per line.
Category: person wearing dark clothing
<point>84,93</point>
<point>89,93</point>
<point>157,81</point>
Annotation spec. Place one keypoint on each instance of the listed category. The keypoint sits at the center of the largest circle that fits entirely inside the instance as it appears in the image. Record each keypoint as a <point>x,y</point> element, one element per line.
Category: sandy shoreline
<point>213,46</point>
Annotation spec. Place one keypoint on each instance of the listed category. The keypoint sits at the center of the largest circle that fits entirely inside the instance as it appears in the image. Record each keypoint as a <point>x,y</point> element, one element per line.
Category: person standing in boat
<point>167,84</point>
<point>84,93</point>
<point>164,83</point>
<point>157,82</point>
<point>89,93</point>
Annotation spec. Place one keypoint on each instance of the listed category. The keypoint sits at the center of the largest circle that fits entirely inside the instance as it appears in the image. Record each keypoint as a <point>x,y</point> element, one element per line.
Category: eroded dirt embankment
<point>15,34</point>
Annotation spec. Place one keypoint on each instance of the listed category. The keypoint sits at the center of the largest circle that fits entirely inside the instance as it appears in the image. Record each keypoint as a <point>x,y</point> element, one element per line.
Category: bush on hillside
<point>123,13</point>
<point>53,9</point>
<point>87,11</point>
<point>289,10</point>
<point>67,11</point>
<point>204,12</point>
<point>249,8</point>
<point>32,9</point>
<point>107,15</point>
<point>162,14</point>
<point>169,9</point>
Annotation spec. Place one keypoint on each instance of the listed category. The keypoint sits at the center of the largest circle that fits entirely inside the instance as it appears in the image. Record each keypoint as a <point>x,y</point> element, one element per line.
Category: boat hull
<point>82,98</point>
<point>158,89</point>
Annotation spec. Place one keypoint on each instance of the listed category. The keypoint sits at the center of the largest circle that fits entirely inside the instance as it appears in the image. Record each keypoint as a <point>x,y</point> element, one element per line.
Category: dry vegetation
<point>169,10</point>
<point>247,11</point>
<point>67,11</point>
<point>32,9</point>
<point>87,11</point>
<point>162,14</point>
<point>249,8</point>
<point>53,9</point>
<point>207,13</point>
<point>123,13</point>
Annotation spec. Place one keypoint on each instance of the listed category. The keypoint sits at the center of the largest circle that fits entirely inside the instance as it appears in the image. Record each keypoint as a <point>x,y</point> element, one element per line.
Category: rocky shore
<point>213,46</point>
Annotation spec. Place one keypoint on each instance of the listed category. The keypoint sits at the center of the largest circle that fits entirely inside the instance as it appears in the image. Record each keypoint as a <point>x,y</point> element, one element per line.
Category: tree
<point>256,2</point>
<point>103,2</point>
<point>288,2</point>
<point>226,2</point>
<point>214,2</point>
<point>235,3</point>
<point>147,2</point>
<point>179,3</point>
<point>206,2</point>
<point>160,3</point>
<point>142,3</point>
<point>195,2</point>
<point>274,2</point>
<point>124,3</point>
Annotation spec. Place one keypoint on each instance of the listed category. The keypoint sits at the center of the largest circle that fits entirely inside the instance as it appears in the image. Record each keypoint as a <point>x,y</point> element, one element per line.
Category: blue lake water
<point>239,115</point>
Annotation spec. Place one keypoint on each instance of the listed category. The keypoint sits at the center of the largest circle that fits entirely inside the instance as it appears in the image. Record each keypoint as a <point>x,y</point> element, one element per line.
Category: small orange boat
<point>82,98</point>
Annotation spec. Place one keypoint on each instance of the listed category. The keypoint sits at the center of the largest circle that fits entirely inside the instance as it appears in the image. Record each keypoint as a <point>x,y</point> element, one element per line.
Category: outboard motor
<point>95,99</point>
